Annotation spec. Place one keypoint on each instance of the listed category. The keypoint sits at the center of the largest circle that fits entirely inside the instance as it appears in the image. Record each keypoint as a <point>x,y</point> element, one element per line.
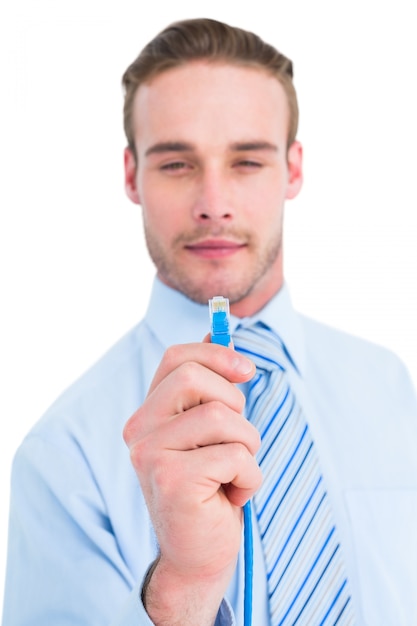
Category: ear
<point>130,176</point>
<point>295,170</point>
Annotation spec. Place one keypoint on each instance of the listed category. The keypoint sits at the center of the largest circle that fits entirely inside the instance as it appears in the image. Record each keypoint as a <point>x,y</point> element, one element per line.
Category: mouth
<point>215,248</point>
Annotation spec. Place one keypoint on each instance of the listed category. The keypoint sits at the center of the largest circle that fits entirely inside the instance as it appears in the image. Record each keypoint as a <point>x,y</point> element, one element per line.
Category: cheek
<point>267,207</point>
<point>160,218</point>
<point>154,202</point>
<point>166,208</point>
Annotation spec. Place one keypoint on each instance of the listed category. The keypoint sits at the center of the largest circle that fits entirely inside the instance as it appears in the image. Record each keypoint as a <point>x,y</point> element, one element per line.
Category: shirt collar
<point>173,318</point>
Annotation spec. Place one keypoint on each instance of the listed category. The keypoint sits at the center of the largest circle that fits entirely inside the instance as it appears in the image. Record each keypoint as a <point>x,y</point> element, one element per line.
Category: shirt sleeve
<point>64,563</point>
<point>225,616</point>
<point>134,613</point>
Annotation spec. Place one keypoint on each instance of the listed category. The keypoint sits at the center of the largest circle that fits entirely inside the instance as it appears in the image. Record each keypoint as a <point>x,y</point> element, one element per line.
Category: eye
<point>175,165</point>
<point>248,164</point>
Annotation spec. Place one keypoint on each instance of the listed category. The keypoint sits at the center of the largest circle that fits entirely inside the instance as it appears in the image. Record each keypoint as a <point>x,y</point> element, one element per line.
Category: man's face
<point>212,176</point>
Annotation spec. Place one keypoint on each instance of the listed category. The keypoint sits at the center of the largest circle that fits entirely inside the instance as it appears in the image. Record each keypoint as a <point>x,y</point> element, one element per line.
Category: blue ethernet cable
<point>219,318</point>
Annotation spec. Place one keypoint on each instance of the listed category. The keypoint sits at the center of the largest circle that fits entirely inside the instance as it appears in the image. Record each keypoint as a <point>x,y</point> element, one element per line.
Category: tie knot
<point>261,344</point>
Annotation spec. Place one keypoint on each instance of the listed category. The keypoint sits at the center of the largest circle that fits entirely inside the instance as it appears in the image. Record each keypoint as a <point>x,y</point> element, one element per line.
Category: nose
<point>213,198</point>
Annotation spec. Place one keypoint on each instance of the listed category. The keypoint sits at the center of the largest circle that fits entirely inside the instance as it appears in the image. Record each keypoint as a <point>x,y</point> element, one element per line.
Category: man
<point>97,537</point>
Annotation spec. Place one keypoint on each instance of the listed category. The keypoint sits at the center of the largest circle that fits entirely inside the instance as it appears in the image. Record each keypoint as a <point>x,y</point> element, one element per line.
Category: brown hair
<point>190,40</point>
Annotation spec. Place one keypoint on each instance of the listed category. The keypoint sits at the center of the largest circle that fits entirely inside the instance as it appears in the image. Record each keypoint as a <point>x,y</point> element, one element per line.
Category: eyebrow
<point>238,146</point>
<point>246,146</point>
<point>169,146</point>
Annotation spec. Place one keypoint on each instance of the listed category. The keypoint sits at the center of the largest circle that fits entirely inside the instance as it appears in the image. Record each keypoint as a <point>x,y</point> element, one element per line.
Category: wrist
<point>173,599</point>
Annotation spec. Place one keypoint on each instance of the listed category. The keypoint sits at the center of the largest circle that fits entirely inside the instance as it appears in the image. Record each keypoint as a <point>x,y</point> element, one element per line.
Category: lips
<point>215,248</point>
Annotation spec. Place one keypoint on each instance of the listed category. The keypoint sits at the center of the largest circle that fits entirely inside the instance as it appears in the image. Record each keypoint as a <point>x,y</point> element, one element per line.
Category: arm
<point>64,562</point>
<point>193,454</point>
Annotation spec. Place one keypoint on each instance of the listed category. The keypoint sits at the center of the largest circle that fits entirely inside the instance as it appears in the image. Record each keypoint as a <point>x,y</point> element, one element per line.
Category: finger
<point>230,364</point>
<point>191,384</point>
<point>207,424</point>
<point>229,467</point>
<point>199,477</point>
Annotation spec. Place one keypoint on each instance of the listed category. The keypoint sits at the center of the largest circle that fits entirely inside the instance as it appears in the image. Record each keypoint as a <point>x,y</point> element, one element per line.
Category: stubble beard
<point>224,281</point>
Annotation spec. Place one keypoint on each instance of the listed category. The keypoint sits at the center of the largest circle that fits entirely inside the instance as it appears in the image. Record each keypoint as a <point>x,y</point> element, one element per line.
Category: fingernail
<point>242,365</point>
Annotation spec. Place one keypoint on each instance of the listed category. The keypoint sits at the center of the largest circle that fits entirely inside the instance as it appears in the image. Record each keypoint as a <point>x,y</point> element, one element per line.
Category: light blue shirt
<point>80,537</point>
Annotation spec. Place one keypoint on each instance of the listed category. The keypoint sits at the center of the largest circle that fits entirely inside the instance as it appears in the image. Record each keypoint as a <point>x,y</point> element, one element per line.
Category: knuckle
<point>188,375</point>
<point>215,412</point>
<point>139,456</point>
<point>238,453</point>
<point>132,427</point>
<point>153,469</point>
<point>127,432</point>
<point>166,483</point>
<point>162,478</point>
<point>172,356</point>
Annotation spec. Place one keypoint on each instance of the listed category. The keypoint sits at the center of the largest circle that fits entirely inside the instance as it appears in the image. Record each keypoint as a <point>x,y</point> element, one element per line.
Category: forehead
<point>210,99</point>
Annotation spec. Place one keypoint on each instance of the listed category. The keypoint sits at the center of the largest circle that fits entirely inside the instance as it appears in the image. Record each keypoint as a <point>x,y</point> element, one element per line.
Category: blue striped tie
<point>307,583</point>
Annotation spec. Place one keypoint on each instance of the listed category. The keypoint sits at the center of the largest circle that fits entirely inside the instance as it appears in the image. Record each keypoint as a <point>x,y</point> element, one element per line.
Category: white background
<point>74,270</point>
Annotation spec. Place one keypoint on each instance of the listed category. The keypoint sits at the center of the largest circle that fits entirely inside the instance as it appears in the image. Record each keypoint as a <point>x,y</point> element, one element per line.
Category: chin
<point>203,292</point>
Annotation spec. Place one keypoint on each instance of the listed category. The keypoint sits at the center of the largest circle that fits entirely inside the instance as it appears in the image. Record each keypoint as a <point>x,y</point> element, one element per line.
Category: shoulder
<point>336,343</point>
<point>108,392</point>
<point>364,395</point>
<point>359,361</point>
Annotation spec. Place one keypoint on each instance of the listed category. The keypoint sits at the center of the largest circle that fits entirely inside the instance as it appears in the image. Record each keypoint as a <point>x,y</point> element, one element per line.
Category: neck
<point>257,299</point>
